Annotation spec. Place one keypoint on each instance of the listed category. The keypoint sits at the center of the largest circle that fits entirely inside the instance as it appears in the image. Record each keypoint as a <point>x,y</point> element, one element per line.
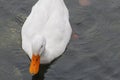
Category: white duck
<point>46,32</point>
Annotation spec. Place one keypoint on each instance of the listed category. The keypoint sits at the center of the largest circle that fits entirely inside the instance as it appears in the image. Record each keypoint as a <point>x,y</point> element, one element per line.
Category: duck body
<point>48,21</point>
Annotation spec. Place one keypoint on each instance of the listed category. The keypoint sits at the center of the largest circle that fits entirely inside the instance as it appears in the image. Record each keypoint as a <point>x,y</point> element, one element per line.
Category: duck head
<point>38,48</point>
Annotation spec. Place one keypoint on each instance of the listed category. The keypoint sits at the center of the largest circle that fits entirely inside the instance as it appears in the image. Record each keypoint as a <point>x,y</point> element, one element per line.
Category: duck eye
<point>42,46</point>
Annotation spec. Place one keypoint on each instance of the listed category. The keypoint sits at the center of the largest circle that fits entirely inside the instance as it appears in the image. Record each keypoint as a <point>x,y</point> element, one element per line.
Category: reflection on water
<point>84,2</point>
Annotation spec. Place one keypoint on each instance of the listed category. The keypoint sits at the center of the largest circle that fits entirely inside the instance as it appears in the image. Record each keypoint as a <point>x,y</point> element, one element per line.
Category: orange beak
<point>34,65</point>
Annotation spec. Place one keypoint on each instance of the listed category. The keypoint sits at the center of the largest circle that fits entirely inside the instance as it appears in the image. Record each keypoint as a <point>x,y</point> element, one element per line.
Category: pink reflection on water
<point>84,2</point>
<point>75,36</point>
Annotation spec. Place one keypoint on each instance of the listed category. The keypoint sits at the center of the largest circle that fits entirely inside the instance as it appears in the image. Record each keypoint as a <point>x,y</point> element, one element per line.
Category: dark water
<point>93,55</point>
